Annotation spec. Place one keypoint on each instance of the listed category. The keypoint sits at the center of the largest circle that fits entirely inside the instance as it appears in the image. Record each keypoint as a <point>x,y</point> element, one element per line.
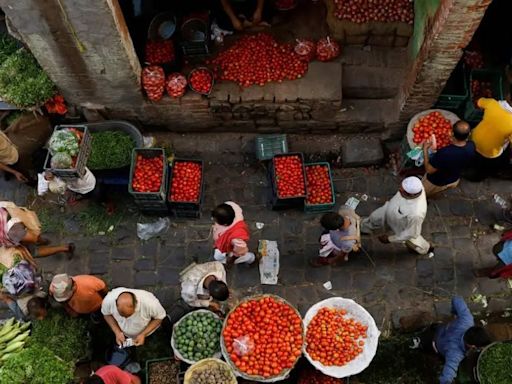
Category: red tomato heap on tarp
<point>176,85</point>
<point>201,81</point>
<point>159,52</point>
<point>289,176</point>
<point>327,49</point>
<point>153,82</point>
<point>147,176</point>
<point>263,337</point>
<point>433,124</point>
<point>318,184</point>
<point>259,59</point>
<point>358,11</point>
<point>334,339</point>
<point>186,182</point>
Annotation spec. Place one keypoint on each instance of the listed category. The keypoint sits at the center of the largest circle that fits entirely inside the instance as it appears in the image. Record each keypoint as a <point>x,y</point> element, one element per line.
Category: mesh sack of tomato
<point>176,85</point>
<point>159,52</point>
<point>153,82</point>
<point>306,49</point>
<point>327,49</point>
<point>262,338</point>
<point>341,337</point>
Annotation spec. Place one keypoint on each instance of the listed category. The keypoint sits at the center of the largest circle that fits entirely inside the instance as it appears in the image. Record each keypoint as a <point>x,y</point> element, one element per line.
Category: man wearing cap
<point>404,215</point>
<point>132,313</point>
<point>80,295</point>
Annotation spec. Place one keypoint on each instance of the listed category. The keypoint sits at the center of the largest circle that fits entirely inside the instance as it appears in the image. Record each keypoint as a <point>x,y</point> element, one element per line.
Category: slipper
<point>71,250</point>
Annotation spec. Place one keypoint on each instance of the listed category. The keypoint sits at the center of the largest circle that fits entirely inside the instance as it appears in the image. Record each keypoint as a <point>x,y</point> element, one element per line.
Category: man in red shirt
<point>110,374</point>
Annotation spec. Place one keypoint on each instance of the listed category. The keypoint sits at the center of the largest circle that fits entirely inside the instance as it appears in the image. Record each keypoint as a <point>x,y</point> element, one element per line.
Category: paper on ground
<point>269,263</point>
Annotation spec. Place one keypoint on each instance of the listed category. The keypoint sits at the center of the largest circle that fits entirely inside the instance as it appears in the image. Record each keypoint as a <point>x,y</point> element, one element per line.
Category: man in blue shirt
<point>445,166</point>
<point>453,340</point>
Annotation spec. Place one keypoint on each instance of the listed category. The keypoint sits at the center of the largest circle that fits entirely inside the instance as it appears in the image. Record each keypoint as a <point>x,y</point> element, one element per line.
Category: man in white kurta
<point>403,215</point>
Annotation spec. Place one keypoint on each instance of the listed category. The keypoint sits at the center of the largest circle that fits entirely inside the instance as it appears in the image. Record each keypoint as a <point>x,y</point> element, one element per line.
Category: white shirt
<point>192,282</point>
<point>147,308</point>
<point>405,216</point>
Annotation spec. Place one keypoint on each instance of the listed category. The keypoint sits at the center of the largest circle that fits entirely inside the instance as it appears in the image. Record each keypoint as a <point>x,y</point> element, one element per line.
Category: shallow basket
<point>478,374</point>
<point>410,134</point>
<point>190,84</point>
<point>284,374</point>
<point>206,363</point>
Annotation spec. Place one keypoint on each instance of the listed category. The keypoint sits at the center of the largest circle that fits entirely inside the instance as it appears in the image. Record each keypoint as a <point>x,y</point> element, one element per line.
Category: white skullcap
<point>412,185</point>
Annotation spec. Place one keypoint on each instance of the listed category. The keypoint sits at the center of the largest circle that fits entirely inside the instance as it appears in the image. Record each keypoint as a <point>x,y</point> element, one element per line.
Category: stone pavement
<point>389,282</point>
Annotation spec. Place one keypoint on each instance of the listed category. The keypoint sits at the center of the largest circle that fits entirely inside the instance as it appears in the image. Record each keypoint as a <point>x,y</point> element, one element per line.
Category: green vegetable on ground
<point>13,336</point>
<point>110,150</point>
<point>8,46</point>
<point>197,336</point>
<point>495,364</point>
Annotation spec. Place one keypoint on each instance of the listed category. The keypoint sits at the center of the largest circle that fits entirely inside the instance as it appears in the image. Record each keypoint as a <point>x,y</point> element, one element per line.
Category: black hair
<point>36,304</point>
<point>94,379</point>
<point>332,221</point>
<point>461,130</point>
<point>224,214</point>
<point>218,290</point>
<point>476,336</point>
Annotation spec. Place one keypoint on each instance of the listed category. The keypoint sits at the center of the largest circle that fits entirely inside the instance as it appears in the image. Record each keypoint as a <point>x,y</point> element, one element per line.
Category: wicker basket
<point>207,364</point>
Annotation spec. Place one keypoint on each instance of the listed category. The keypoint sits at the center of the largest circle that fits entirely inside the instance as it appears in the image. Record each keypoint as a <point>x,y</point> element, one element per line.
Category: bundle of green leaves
<point>36,365</point>
<point>7,47</point>
<point>110,150</point>
<point>65,336</point>
<point>495,364</point>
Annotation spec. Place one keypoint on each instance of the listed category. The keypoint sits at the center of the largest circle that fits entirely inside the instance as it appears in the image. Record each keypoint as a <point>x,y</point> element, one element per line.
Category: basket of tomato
<point>262,338</point>
<point>288,180</point>
<point>437,122</point>
<point>319,188</point>
<point>185,188</point>
<point>341,337</point>
<point>201,80</point>
<point>148,174</point>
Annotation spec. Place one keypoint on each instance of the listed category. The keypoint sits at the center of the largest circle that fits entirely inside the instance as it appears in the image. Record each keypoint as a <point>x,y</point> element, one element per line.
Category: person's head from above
<point>411,188</point>
<point>476,337</point>
<point>223,214</point>
<point>461,131</point>
<point>126,303</point>
<point>62,288</point>
<point>218,290</point>
<point>332,221</point>
<point>94,379</point>
<point>37,308</point>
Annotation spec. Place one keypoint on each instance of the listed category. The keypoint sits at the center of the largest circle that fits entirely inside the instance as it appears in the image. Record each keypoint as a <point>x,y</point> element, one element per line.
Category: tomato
<point>186,182</point>
<point>201,80</point>
<point>263,337</point>
<point>176,85</point>
<point>289,173</point>
<point>318,185</point>
<point>333,338</point>
<point>327,49</point>
<point>159,52</point>
<point>433,124</point>
<point>153,82</point>
<point>148,172</point>
<point>480,89</point>
<point>359,11</point>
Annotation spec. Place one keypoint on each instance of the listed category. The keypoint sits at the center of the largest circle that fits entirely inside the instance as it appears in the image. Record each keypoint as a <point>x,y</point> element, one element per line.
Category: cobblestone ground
<point>390,283</point>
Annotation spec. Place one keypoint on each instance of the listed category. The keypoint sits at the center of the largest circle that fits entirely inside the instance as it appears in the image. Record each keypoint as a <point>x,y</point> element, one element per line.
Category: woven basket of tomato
<point>436,122</point>
<point>288,180</point>
<point>319,188</point>
<point>185,187</point>
<point>148,174</point>
<point>262,338</point>
<point>201,80</point>
<point>341,337</point>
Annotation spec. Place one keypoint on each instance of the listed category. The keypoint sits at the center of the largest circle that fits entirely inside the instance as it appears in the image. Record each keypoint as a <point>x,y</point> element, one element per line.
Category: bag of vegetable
<point>61,160</point>
<point>64,140</point>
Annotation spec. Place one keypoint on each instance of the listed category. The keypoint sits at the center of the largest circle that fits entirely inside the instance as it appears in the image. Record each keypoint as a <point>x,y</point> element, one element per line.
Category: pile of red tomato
<point>433,124</point>
<point>259,59</point>
<point>159,52</point>
<point>334,339</point>
<point>473,59</point>
<point>362,11</point>
<point>176,85</point>
<point>147,175</point>
<point>201,80</point>
<point>318,184</point>
<point>312,376</point>
<point>263,337</point>
<point>480,89</point>
<point>186,182</point>
<point>289,173</point>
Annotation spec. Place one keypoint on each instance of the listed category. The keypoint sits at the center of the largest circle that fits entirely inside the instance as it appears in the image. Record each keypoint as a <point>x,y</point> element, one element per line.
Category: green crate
<point>149,362</point>
<point>455,93</point>
<point>161,195</point>
<point>473,114</point>
<point>314,208</point>
<point>269,145</point>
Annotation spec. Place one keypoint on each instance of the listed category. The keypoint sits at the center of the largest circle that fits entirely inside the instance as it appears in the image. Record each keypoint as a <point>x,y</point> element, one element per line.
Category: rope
<point>71,29</point>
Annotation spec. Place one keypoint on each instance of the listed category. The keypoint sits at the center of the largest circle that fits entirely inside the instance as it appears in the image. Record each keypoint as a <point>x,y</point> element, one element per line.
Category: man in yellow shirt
<point>9,156</point>
<point>492,137</point>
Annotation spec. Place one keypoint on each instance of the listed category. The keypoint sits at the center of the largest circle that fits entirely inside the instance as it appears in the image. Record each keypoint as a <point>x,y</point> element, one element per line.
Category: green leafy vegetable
<point>8,46</point>
<point>495,365</point>
<point>36,365</point>
<point>110,149</point>
<point>64,140</point>
<point>63,335</point>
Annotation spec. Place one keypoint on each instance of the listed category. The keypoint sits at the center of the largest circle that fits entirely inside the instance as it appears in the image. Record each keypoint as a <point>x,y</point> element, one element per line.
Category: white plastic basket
<point>410,134</point>
<point>354,311</point>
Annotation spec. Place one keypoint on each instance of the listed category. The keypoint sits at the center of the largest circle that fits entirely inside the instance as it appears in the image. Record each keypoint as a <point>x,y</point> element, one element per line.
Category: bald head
<point>461,130</point>
<point>126,303</point>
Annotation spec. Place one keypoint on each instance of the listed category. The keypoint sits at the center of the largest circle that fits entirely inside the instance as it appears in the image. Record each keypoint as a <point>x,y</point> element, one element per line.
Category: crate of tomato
<point>69,150</point>
<point>287,178</point>
<point>482,83</point>
<point>320,195</point>
<point>148,176</point>
<point>186,188</point>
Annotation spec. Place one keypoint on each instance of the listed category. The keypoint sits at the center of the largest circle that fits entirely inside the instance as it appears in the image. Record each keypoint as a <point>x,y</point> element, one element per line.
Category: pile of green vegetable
<point>197,335</point>
<point>110,150</point>
<point>22,81</point>
<point>64,145</point>
<point>495,364</point>
<point>13,336</point>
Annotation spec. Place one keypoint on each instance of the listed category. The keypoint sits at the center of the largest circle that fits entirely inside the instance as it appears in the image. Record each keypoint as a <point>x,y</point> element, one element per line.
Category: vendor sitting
<point>240,14</point>
<point>230,234</point>
<point>83,186</point>
<point>201,284</point>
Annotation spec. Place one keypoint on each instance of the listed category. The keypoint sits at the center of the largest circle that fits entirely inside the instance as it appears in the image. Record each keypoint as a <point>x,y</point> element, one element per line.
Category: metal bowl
<point>162,26</point>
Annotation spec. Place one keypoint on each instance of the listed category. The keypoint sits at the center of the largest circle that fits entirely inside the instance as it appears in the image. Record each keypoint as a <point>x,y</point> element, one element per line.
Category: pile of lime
<point>197,336</point>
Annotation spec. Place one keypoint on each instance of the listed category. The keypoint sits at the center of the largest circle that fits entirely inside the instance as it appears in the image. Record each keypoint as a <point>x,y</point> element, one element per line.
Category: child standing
<point>230,234</point>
